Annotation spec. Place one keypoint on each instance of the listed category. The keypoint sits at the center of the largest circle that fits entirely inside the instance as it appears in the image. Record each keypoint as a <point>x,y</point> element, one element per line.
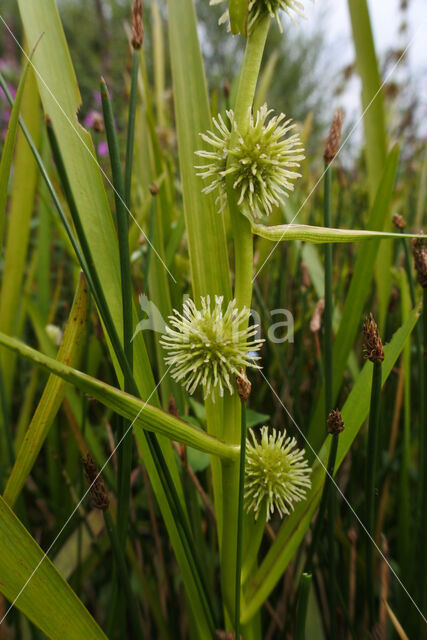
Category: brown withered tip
<point>226,89</point>
<point>399,221</point>
<point>172,408</point>
<point>373,347</point>
<point>154,189</point>
<point>335,422</point>
<point>334,138</point>
<point>419,251</point>
<point>98,491</point>
<point>137,25</point>
<point>243,386</point>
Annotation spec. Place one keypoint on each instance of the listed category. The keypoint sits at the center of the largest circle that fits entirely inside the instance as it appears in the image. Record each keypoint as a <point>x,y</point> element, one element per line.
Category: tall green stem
<point>423,477</point>
<point>303,593</point>
<point>328,369</point>
<point>243,265</point>
<point>240,521</point>
<point>374,423</point>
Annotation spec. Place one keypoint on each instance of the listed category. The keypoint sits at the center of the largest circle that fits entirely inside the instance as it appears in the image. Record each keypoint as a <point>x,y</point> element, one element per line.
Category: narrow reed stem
<point>303,594</point>
<point>240,521</point>
<point>131,126</point>
<point>126,450</point>
<point>149,241</point>
<point>328,372</point>
<point>124,578</point>
<point>373,433</point>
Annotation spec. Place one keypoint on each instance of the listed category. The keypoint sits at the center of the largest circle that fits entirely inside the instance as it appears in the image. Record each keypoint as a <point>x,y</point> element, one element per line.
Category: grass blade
<point>47,600</point>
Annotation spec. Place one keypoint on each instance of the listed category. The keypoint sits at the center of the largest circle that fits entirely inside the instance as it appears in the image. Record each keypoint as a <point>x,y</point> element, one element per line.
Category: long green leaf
<point>292,532</point>
<point>357,294</point>
<point>205,228</point>
<point>375,134</point>
<point>18,227</point>
<point>143,414</point>
<point>7,153</point>
<point>42,594</point>
<point>52,396</point>
<point>320,235</point>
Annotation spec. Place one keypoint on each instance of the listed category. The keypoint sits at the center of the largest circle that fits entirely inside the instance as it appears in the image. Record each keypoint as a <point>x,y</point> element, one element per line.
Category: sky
<point>385,18</point>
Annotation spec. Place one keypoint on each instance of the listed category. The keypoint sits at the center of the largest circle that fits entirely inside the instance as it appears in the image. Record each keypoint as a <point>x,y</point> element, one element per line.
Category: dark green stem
<point>149,241</point>
<point>373,433</point>
<point>303,594</point>
<point>240,520</point>
<point>329,385</point>
<point>122,570</point>
<point>125,457</point>
<point>131,126</point>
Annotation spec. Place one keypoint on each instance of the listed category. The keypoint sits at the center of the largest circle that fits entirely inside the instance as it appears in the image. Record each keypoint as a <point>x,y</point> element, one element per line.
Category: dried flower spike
<point>373,348</point>
<point>243,386</point>
<point>399,221</point>
<point>277,473</point>
<point>419,250</point>
<point>257,9</point>
<point>100,498</point>
<point>208,347</point>
<point>334,138</point>
<point>137,26</point>
<point>261,162</point>
<point>335,422</point>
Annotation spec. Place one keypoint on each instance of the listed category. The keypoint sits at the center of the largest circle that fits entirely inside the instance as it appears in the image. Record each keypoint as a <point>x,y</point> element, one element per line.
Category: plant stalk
<point>373,434</point>
<point>240,520</point>
<point>304,592</point>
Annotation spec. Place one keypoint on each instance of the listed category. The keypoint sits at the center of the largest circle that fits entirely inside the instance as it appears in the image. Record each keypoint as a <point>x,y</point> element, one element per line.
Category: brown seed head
<point>373,348</point>
<point>334,138</point>
<point>98,491</point>
<point>335,422</point>
<point>137,27</point>
<point>154,189</point>
<point>399,221</point>
<point>226,89</point>
<point>243,386</point>
<point>419,250</point>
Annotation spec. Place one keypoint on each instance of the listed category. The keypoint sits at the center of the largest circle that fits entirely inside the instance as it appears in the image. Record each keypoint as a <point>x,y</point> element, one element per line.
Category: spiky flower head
<point>277,474</point>
<point>209,347</point>
<point>259,8</point>
<point>261,161</point>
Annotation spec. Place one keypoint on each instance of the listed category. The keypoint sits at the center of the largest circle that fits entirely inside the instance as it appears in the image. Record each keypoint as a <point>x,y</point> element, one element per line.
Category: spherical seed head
<point>207,347</point>
<point>261,161</point>
<point>373,348</point>
<point>335,422</point>
<point>257,9</point>
<point>419,250</point>
<point>277,473</point>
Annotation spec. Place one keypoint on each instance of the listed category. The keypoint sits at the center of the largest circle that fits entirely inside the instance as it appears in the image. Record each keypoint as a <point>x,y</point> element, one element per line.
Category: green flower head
<point>208,347</point>
<point>277,474</point>
<point>259,8</point>
<point>261,162</point>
